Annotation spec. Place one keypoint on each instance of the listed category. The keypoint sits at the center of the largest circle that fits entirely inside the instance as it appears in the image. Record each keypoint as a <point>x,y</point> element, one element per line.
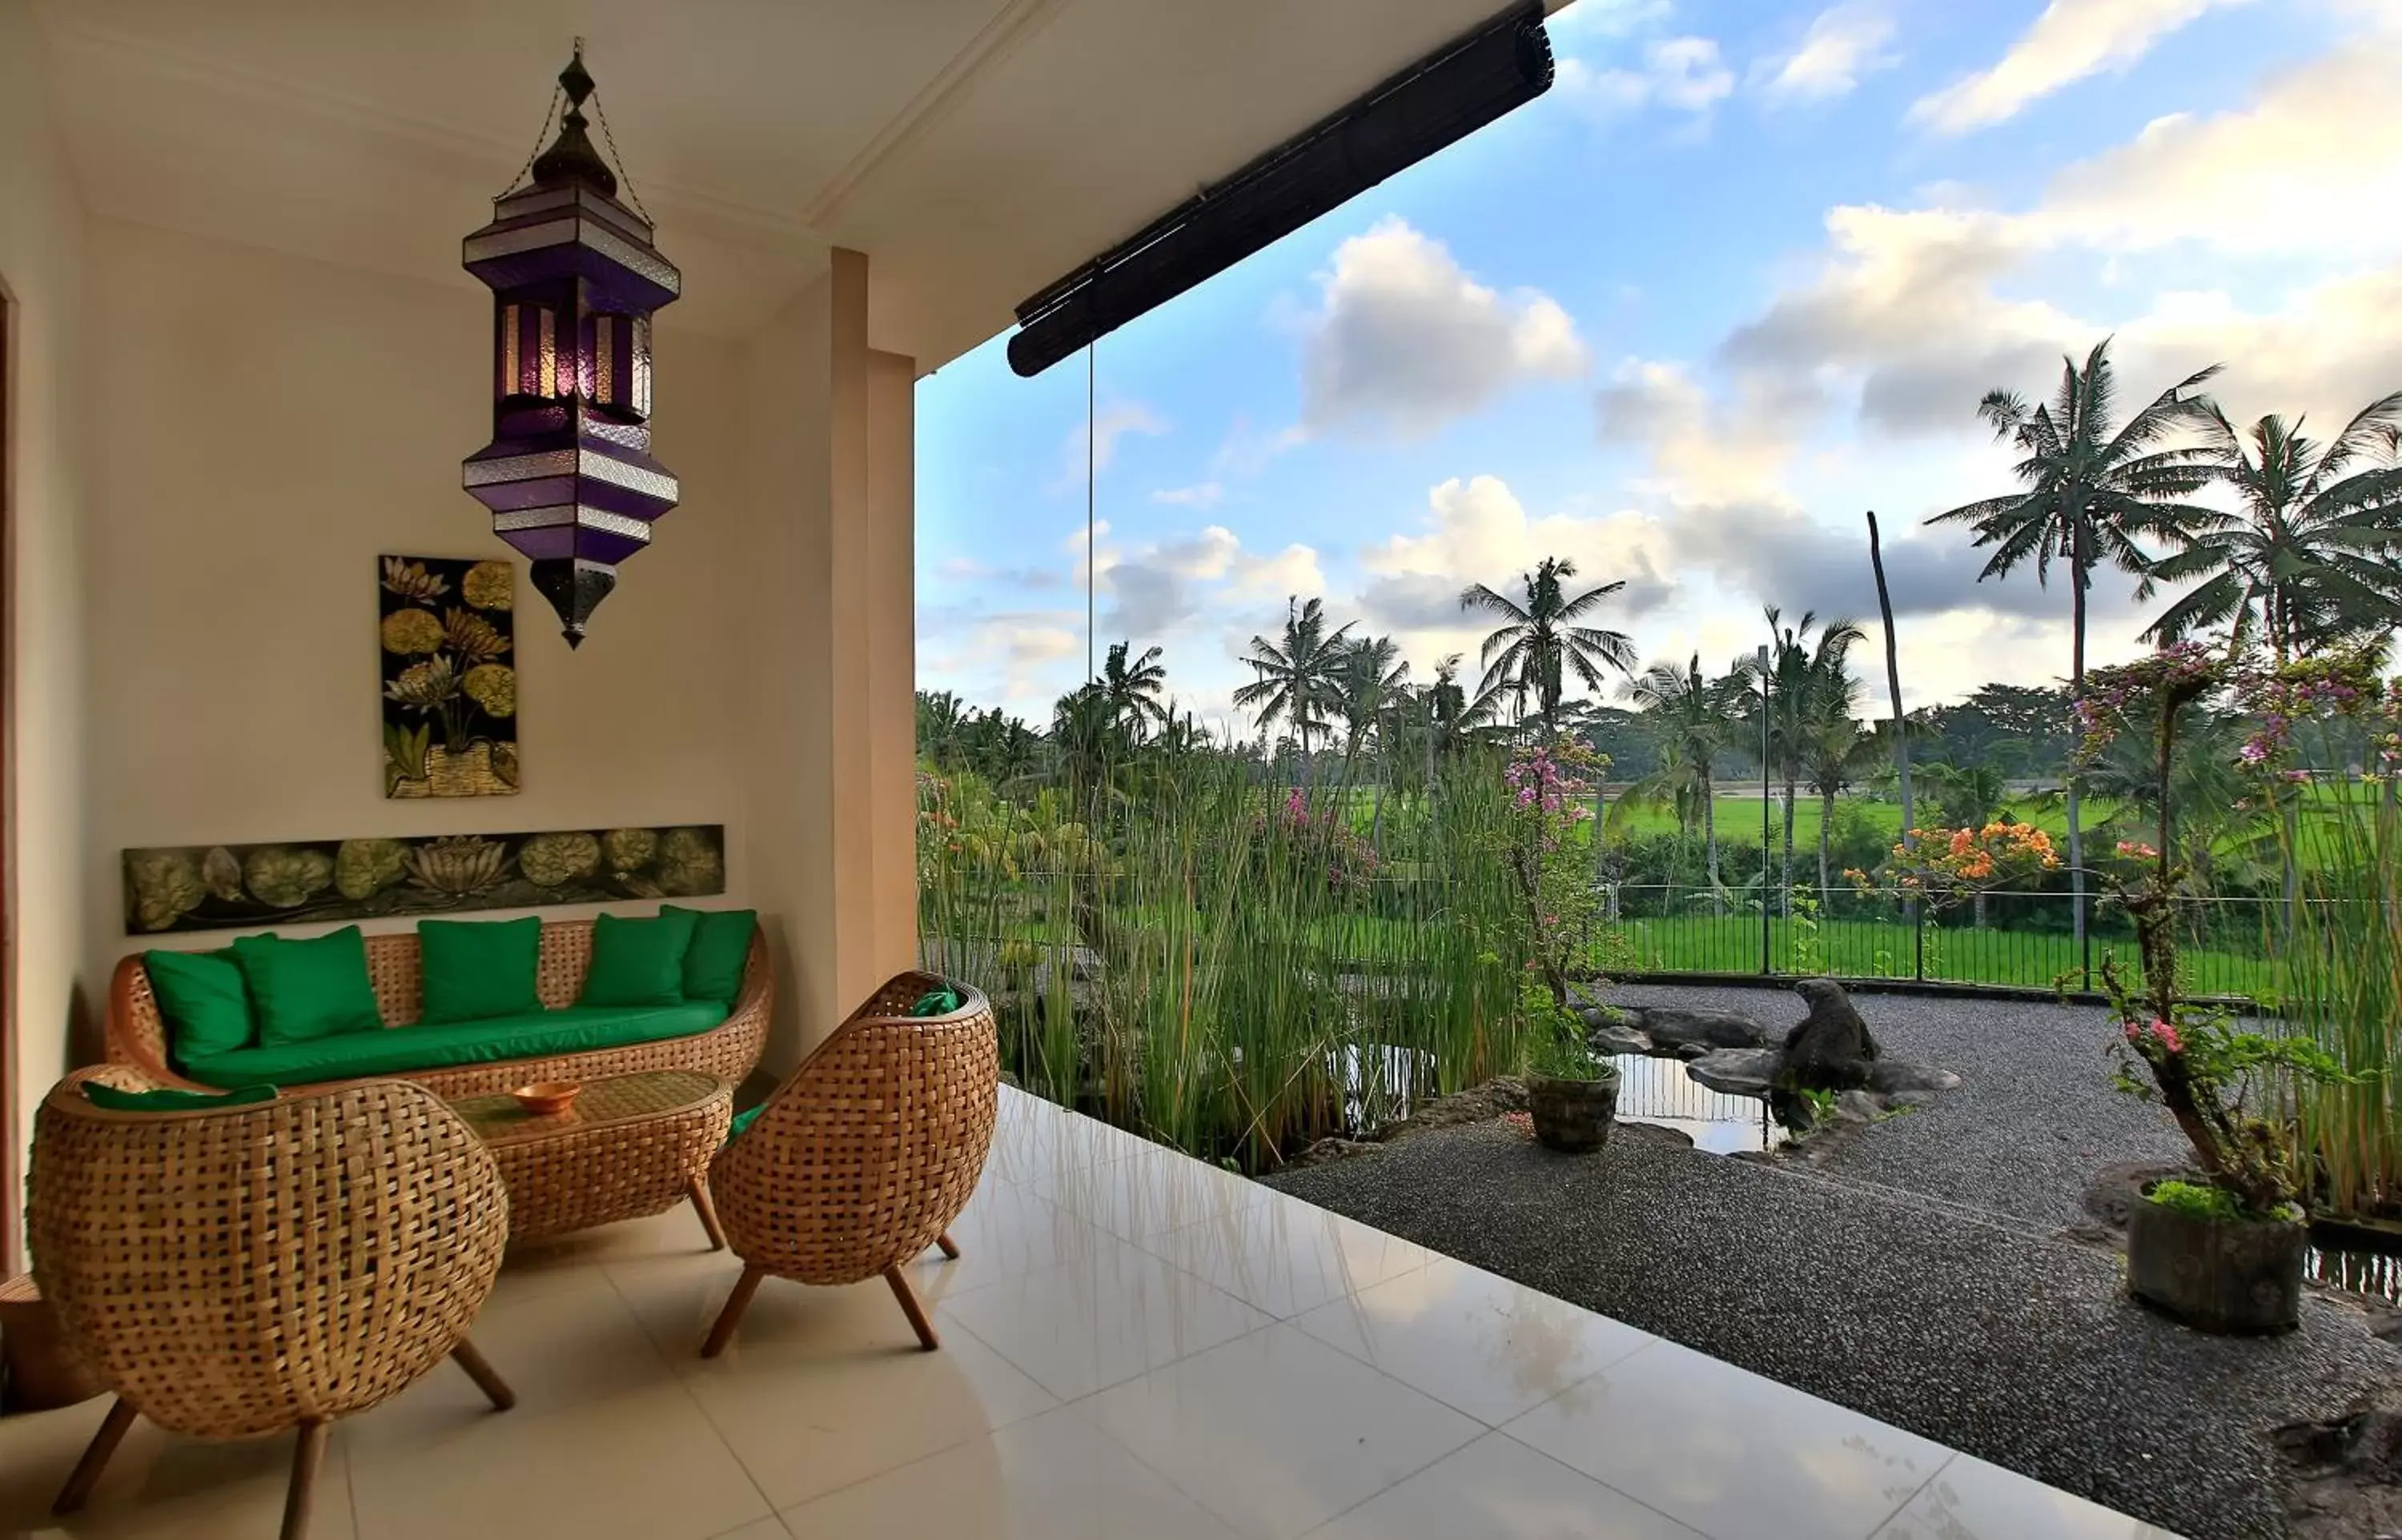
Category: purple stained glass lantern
<point>569,475</point>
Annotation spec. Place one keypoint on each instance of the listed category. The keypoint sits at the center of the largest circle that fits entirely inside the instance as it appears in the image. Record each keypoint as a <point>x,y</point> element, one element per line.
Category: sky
<point>1741,275</point>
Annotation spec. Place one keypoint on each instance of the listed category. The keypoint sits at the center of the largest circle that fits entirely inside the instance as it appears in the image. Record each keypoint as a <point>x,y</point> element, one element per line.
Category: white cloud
<point>1405,342</point>
<point>1159,586</point>
<point>1110,423</point>
<point>1682,75</point>
<point>2312,167</point>
<point>1845,43</point>
<point>1477,532</point>
<point>2071,40</point>
<point>1607,19</point>
<point>1206,494</point>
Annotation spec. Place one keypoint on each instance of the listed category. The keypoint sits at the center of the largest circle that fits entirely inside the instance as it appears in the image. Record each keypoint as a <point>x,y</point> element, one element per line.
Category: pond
<point>1659,1091</point>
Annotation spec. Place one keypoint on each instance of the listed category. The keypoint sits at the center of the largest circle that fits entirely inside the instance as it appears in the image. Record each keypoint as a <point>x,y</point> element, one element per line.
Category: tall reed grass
<point>2342,956</point>
<point>1228,965</point>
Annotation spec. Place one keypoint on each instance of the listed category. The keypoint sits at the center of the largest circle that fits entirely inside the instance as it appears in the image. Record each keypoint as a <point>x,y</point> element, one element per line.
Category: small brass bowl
<point>546,1097</point>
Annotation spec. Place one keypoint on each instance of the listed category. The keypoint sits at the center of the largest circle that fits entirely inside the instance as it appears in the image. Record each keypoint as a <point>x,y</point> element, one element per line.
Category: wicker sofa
<point>137,1034</point>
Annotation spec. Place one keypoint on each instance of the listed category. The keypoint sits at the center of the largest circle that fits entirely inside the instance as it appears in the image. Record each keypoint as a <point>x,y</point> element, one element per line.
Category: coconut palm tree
<point>1839,751</point>
<point>1130,691</point>
<point>1540,644</point>
<point>1808,688</point>
<point>2093,491</point>
<point>1697,718</point>
<point>2310,558</point>
<point>1294,681</point>
<point>1367,684</point>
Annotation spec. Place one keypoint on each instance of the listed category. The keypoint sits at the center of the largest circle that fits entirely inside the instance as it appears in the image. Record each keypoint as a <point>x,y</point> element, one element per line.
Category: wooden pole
<point>1900,736</point>
<point>1893,680</point>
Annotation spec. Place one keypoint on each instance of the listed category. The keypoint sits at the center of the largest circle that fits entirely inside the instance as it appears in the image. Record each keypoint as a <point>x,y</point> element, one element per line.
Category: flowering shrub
<point>1943,865</point>
<point>1550,792</point>
<point>1295,835</point>
<point>2212,1079</point>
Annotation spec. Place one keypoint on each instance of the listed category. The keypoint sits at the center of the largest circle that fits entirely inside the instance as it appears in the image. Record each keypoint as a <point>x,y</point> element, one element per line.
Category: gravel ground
<point>1987,1335</point>
<point>2035,1115</point>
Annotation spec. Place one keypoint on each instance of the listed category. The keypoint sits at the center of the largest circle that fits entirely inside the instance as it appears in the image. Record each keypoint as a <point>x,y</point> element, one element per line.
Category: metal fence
<point>2023,940</point>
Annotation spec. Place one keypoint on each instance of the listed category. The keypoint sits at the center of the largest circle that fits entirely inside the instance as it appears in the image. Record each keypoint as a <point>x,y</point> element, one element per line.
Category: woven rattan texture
<point>236,1272</point>
<point>565,1173</point>
<point>872,1146</point>
<point>138,1035</point>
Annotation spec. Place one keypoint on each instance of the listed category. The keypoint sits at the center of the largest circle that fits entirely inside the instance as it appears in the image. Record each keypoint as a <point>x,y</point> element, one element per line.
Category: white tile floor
<point>1135,1344</point>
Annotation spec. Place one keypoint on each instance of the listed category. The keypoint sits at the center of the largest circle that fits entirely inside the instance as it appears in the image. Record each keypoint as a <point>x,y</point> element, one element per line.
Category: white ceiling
<point>974,150</point>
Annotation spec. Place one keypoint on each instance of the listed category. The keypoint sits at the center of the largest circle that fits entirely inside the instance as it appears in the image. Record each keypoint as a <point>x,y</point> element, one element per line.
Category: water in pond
<point>1659,1091</point>
<point>2377,1274</point>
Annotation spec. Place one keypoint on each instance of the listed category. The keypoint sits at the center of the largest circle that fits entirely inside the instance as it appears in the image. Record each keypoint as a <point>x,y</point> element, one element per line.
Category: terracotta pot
<point>2240,1277</point>
<point>1572,1116</point>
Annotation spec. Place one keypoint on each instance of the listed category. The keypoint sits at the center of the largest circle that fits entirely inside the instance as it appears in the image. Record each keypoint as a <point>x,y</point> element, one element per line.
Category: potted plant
<point>1572,1092</point>
<point>2224,1253</point>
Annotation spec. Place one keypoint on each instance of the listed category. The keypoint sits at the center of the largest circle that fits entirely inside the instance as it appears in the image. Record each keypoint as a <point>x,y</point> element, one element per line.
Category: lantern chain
<point>615,154</point>
<point>535,154</point>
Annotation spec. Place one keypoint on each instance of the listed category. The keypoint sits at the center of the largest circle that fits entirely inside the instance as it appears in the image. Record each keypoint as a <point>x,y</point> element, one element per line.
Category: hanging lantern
<point>569,475</point>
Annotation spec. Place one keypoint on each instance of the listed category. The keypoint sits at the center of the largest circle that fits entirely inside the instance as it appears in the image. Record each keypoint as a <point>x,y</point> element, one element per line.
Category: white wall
<point>42,252</point>
<point>273,424</point>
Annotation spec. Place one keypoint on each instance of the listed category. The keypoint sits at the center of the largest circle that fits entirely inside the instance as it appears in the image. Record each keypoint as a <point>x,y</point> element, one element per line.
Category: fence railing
<point>2019,939</point>
<point>2024,939</point>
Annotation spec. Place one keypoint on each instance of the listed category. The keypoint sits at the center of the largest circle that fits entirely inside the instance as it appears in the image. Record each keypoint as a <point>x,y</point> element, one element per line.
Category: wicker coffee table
<point>628,1147</point>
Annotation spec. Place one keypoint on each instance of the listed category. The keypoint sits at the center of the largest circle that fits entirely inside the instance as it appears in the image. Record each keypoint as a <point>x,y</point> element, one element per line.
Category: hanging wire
<point>1090,576</point>
<point>623,174</point>
<point>535,154</point>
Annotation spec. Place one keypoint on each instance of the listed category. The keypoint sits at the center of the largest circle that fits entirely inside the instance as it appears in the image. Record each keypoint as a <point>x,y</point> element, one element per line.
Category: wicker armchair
<point>863,1158</point>
<point>137,1034</point>
<point>222,1287</point>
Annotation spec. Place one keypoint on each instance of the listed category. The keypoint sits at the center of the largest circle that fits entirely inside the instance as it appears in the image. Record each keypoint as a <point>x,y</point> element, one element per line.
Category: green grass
<point>1955,951</point>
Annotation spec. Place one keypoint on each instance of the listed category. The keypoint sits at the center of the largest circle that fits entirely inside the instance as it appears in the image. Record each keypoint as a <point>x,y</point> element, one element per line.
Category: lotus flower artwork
<point>450,685</point>
<point>290,882</point>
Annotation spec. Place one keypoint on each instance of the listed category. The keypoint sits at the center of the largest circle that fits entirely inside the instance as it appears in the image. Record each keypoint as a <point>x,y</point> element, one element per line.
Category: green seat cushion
<point>743,1120</point>
<point>405,1050</point>
<point>936,1002</point>
<point>476,969</point>
<point>204,1001</point>
<point>307,990</point>
<point>721,946</point>
<point>168,1100</point>
<point>638,962</point>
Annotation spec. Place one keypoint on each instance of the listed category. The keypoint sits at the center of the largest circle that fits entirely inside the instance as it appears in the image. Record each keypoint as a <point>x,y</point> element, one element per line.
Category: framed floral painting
<point>446,631</point>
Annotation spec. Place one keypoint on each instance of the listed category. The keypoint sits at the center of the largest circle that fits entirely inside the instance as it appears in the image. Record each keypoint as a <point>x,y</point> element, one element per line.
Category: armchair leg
<point>86,1474</point>
<point>480,1371</point>
<point>731,1316</point>
<point>911,1307</point>
<point>699,1189</point>
<point>950,1247</point>
<point>307,1456</point>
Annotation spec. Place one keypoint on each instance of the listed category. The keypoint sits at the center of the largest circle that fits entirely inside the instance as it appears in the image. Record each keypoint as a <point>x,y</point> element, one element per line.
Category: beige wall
<point>277,423</point>
<point>41,248</point>
<point>198,650</point>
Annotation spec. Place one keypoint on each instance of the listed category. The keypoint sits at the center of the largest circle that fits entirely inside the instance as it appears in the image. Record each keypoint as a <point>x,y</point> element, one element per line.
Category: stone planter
<point>1572,1116</point>
<point>2241,1277</point>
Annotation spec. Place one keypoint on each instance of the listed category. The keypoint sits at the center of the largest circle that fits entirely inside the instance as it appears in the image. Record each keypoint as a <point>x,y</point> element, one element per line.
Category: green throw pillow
<point>476,969</point>
<point>116,1100</point>
<point>206,1004</point>
<point>721,946</point>
<point>307,990</point>
<point>936,1002</point>
<point>638,962</point>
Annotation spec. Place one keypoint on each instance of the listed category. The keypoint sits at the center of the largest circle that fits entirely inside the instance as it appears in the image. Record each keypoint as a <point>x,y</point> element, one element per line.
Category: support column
<point>830,834</point>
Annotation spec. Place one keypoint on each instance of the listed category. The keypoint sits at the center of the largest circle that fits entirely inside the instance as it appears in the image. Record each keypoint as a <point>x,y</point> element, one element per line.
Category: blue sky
<point>1742,273</point>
